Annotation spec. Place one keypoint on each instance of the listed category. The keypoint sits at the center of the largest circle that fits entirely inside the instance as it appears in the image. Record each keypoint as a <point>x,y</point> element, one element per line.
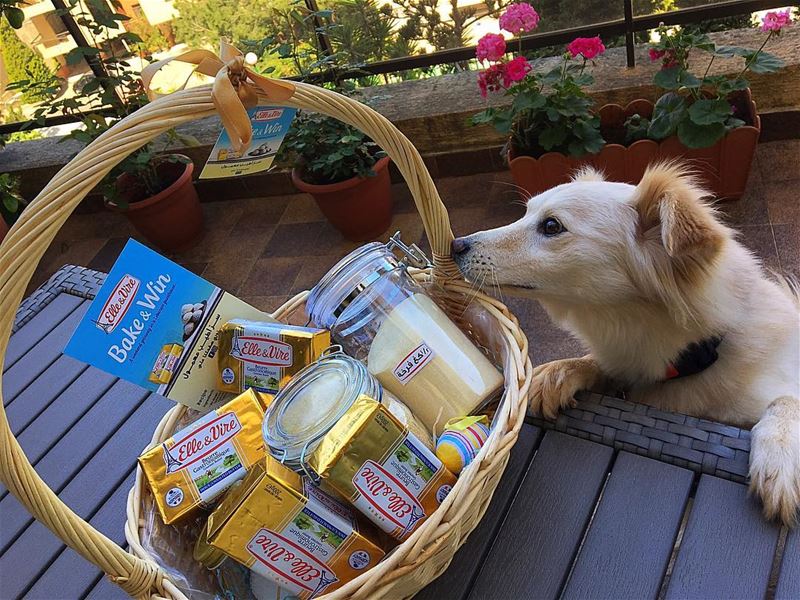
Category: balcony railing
<point>627,27</point>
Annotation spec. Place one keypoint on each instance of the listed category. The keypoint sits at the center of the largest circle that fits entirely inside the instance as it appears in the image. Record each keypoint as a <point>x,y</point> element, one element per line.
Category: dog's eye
<point>551,227</point>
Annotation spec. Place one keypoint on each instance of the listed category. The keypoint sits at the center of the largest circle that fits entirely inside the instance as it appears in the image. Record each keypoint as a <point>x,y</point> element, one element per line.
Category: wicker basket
<point>430,549</point>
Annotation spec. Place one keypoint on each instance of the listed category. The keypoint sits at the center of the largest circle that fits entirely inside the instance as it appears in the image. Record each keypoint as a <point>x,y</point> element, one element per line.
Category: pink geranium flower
<point>493,79</point>
<point>518,18</point>
<point>516,70</point>
<point>586,47</point>
<point>492,46</point>
<point>776,20</point>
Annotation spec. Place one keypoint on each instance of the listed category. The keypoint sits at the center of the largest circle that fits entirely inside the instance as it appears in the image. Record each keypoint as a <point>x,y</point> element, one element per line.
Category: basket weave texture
<point>422,557</point>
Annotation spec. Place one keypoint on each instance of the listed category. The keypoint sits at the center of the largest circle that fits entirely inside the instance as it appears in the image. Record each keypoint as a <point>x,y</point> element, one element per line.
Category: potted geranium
<point>344,170</point>
<point>710,120</point>
<point>550,122</point>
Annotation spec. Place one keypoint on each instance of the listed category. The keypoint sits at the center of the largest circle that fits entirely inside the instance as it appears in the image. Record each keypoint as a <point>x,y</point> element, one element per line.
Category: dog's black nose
<point>459,245</point>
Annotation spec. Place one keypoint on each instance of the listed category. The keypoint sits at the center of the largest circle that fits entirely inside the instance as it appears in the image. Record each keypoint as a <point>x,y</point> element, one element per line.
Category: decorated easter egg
<point>461,441</point>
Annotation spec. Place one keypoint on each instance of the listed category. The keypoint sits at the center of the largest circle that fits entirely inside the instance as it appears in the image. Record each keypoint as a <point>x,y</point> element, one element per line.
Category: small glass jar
<point>315,399</point>
<point>380,315</point>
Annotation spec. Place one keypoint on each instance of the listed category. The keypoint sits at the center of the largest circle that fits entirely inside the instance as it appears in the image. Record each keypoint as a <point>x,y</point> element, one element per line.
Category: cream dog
<point>668,303</point>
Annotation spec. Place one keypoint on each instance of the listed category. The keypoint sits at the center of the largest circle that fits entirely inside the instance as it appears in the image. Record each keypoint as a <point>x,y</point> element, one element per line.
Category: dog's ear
<point>670,202</point>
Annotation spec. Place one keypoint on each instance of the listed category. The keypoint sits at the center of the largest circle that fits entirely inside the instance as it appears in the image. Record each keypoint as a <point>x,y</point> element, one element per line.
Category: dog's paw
<point>775,460</point>
<point>555,383</point>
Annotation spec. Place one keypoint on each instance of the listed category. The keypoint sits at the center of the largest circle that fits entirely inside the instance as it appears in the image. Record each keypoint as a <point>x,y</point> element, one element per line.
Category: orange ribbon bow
<point>235,88</point>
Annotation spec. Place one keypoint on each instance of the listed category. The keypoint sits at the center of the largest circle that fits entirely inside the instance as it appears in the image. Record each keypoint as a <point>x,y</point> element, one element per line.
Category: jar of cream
<point>314,401</point>
<point>378,314</point>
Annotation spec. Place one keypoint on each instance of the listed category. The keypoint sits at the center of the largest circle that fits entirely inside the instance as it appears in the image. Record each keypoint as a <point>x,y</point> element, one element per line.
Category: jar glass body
<point>380,315</point>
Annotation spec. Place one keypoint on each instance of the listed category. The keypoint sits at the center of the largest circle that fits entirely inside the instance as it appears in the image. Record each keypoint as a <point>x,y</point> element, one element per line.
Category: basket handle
<point>23,247</point>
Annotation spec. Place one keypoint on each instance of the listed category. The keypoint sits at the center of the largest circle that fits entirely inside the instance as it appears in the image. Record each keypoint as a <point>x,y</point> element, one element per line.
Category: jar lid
<point>311,404</point>
<point>206,554</point>
<point>346,280</point>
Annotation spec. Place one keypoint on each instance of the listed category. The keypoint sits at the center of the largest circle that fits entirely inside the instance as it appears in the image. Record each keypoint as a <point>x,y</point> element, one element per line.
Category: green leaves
<point>669,111</point>
<point>693,135</point>
<point>552,136</point>
<point>77,54</point>
<point>763,62</point>
<point>675,78</point>
<point>708,112</point>
<point>528,101</point>
<point>754,60</point>
<point>14,16</point>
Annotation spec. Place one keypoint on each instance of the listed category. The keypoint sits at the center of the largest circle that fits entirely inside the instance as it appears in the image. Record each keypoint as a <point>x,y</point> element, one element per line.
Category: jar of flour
<point>381,316</point>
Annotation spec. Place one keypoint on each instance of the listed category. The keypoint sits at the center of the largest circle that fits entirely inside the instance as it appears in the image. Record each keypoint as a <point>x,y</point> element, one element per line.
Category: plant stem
<point>752,59</point>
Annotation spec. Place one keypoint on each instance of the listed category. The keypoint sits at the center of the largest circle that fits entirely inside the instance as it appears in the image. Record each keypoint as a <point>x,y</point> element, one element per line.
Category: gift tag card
<point>155,324</point>
<point>270,124</point>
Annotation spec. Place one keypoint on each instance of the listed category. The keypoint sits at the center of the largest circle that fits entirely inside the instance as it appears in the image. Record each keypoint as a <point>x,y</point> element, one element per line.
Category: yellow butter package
<point>158,366</point>
<point>284,528</point>
<point>264,356</point>
<point>372,460</point>
<point>165,364</point>
<point>203,460</point>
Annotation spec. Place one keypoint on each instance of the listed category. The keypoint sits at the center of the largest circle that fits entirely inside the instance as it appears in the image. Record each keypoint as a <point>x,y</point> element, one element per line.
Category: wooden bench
<point>613,500</point>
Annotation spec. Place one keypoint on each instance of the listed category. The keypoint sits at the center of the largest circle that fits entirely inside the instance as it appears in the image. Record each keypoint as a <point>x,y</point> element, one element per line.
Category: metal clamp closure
<point>412,255</point>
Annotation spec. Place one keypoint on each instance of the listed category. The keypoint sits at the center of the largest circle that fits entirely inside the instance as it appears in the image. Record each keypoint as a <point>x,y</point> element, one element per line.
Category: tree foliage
<point>22,63</point>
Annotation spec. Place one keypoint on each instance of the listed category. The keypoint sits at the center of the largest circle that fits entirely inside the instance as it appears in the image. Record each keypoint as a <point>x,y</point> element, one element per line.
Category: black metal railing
<point>627,27</point>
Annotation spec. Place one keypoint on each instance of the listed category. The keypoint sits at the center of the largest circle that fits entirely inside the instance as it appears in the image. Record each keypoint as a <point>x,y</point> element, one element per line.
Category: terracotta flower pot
<point>360,207</point>
<point>723,167</point>
<point>172,219</point>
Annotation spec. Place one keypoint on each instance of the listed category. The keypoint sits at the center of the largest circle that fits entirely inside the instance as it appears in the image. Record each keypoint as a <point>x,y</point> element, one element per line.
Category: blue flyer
<point>269,124</point>
<point>156,324</point>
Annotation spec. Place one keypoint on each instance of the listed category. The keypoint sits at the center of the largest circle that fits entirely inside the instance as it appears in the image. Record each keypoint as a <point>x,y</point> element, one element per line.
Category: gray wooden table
<point>613,500</point>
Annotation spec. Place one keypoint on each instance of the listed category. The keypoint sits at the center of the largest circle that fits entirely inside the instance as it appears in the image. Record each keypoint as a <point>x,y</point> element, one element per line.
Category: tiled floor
<point>265,249</point>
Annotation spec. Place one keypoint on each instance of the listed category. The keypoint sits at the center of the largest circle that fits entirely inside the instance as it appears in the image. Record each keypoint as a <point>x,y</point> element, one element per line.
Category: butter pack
<point>201,461</point>
<point>264,356</point>
<point>284,528</point>
<point>372,460</point>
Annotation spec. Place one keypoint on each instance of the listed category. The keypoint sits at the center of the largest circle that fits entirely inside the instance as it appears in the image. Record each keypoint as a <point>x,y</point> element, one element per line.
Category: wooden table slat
<point>103,445</point>
<point>71,574</point>
<point>43,354</point>
<point>63,412</point>
<point>627,548</point>
<point>727,548</point>
<point>455,582</point>
<point>35,398</point>
<point>531,554</point>
<point>788,587</point>
<point>39,326</point>
<point>30,554</point>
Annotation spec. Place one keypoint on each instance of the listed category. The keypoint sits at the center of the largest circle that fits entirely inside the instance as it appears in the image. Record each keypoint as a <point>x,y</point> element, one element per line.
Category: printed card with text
<point>270,124</point>
<point>156,324</point>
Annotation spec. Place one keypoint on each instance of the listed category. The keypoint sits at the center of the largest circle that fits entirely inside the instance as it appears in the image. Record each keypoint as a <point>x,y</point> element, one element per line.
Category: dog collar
<point>695,358</point>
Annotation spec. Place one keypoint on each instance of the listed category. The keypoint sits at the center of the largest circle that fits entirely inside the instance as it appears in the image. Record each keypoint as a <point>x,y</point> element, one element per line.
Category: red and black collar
<point>695,358</point>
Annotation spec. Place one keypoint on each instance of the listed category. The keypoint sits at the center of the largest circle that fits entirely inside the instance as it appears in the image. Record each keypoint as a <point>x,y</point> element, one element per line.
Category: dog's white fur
<point>640,273</point>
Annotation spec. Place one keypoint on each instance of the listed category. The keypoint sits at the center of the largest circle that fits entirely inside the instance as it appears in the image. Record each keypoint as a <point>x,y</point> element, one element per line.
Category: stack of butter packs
<point>308,522</point>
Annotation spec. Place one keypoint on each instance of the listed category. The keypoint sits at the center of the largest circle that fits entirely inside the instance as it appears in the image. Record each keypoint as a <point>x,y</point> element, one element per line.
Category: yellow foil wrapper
<point>284,528</point>
<point>373,461</point>
<point>158,366</point>
<point>264,356</point>
<point>203,460</point>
